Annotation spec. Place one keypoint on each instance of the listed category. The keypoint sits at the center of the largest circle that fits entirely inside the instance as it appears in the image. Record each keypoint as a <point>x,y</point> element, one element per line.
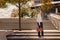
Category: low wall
<point>29,23</point>
<point>55,19</point>
<point>3,34</point>
<point>9,23</point>
<point>13,23</point>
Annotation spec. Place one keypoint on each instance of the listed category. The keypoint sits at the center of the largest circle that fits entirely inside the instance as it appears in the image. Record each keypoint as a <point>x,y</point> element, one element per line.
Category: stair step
<point>35,31</point>
<point>37,34</point>
<point>31,33</point>
<point>30,37</point>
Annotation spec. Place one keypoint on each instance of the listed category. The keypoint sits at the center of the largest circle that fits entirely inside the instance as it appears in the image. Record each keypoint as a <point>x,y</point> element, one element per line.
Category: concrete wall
<point>3,34</point>
<point>9,23</point>
<point>29,23</point>
<point>13,23</point>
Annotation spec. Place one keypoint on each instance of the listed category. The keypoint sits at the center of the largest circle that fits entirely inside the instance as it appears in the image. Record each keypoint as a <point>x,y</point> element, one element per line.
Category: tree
<point>46,6</point>
<point>24,8</point>
<point>24,11</point>
<point>24,1</point>
<point>2,3</point>
<point>34,12</point>
<point>12,1</point>
<point>14,13</point>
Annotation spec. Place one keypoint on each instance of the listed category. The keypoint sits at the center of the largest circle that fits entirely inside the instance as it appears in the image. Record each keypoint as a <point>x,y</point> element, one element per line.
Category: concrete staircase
<point>26,24</point>
<point>32,35</point>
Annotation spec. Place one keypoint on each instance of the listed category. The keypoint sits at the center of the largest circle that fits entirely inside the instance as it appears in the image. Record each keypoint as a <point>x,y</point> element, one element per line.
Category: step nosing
<point>35,34</point>
<point>36,31</point>
<point>35,37</point>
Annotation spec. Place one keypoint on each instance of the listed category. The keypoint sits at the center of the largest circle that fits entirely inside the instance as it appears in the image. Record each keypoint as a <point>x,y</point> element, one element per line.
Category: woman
<point>40,24</point>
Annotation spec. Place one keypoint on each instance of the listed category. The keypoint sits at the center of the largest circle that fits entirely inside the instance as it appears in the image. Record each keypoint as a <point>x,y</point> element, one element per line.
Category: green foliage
<point>13,1</point>
<point>24,8</point>
<point>34,12</point>
<point>24,11</point>
<point>24,1</point>
<point>14,13</point>
<point>2,3</point>
<point>46,5</point>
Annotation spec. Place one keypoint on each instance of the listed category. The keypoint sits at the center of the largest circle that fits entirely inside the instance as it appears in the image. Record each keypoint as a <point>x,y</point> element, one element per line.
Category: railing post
<point>56,10</point>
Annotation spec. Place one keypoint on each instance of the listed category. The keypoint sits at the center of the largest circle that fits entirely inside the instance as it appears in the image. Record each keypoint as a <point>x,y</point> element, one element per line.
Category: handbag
<point>39,29</point>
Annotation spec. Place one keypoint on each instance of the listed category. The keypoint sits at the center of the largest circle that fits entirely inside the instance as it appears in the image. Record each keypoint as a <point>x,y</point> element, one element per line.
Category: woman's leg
<point>42,33</point>
<point>39,34</point>
<point>39,31</point>
<point>38,24</point>
<point>42,28</point>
